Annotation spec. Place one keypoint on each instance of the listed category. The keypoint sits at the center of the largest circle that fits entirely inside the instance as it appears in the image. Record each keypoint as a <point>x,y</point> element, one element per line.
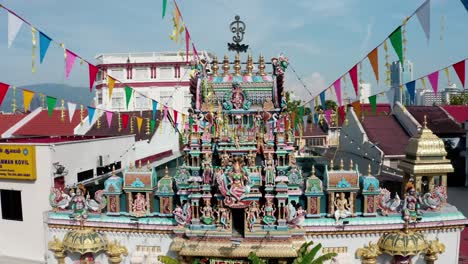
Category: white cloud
<point>314,82</point>
<point>365,41</point>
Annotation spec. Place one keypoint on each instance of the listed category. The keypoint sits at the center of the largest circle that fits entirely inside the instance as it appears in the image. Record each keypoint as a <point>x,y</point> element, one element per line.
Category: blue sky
<point>323,39</point>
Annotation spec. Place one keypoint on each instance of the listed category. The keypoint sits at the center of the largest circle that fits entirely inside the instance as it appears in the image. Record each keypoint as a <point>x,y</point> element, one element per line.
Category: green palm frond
<point>168,260</point>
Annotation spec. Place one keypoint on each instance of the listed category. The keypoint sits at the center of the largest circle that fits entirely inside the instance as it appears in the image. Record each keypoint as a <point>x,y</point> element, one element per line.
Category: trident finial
<point>331,165</point>
<point>351,164</point>
<point>313,171</point>
<point>425,121</point>
<point>369,170</point>
<point>341,164</point>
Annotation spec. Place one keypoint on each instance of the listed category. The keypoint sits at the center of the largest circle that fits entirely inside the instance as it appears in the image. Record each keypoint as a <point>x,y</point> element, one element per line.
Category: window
<point>141,102</point>
<point>84,175</point>
<point>165,97</point>
<point>165,73</point>
<point>117,102</point>
<point>117,73</point>
<point>11,205</point>
<point>99,97</point>
<point>141,73</point>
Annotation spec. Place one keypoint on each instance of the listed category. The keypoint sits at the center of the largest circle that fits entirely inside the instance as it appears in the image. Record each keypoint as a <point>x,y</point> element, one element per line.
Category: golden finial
<point>369,170</point>
<point>425,121</point>
<point>62,111</point>
<point>131,124</point>
<point>214,66</point>
<point>261,66</point>
<point>81,114</point>
<point>139,164</point>
<point>249,67</point>
<point>313,171</point>
<point>119,121</point>
<point>237,67</point>
<point>226,65</point>
<point>113,170</point>
<point>331,165</point>
<point>98,120</point>
<point>166,171</point>
<point>148,165</point>
<point>132,166</point>
<point>341,164</point>
<point>148,126</point>
<point>351,164</point>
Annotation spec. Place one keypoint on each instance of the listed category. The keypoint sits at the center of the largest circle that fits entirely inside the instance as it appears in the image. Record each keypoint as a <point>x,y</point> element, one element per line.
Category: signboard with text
<point>18,162</point>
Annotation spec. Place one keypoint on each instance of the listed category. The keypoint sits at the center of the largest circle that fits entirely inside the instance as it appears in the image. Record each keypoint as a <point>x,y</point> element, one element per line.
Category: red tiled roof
<point>437,120</point>
<point>9,120</point>
<point>381,109</point>
<point>458,112</point>
<point>386,133</point>
<point>311,131</point>
<point>105,130</point>
<point>45,125</point>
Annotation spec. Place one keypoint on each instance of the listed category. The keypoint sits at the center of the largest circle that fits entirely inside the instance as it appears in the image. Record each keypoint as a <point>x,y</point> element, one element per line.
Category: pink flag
<point>353,74</point>
<point>434,80</point>
<point>93,70</point>
<point>69,61</point>
<point>328,115</point>
<point>187,39</point>
<point>459,68</point>
<point>109,118</point>
<point>165,113</point>
<point>195,53</point>
<point>337,86</point>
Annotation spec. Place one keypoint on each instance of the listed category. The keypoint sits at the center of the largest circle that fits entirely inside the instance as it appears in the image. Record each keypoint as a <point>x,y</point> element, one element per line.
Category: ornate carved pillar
<point>56,246</point>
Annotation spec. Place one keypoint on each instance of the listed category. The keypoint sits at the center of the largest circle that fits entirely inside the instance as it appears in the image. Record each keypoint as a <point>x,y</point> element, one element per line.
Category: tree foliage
<point>460,99</point>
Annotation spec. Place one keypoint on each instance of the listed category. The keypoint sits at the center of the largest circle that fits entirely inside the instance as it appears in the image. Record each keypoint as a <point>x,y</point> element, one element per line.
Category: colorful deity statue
<point>223,217</point>
<point>268,211</point>
<point>252,215</point>
<point>270,171</point>
<point>292,160</point>
<point>237,97</point>
<point>78,202</point>
<point>239,180</point>
<point>251,159</point>
<point>342,209</point>
<point>187,209</point>
<point>179,215</point>
<point>299,216</point>
<point>139,205</point>
<point>411,204</point>
<point>207,216</point>
<point>225,159</point>
<point>207,169</point>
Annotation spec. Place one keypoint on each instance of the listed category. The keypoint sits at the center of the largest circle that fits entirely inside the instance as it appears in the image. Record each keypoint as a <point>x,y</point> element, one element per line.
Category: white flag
<point>14,25</point>
<point>424,16</point>
<point>71,110</point>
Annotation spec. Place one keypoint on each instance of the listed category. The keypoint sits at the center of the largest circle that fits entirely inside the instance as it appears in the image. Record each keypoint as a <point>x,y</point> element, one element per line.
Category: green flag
<point>128,94</point>
<point>164,8</point>
<point>51,104</point>
<point>152,124</point>
<point>397,43</point>
<point>373,103</point>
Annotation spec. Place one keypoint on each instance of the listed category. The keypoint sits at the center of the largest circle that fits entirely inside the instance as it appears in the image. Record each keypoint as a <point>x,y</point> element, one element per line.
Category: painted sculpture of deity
<point>78,202</point>
<point>237,97</point>
<point>269,171</point>
<point>207,216</point>
<point>342,209</point>
<point>225,159</point>
<point>411,204</point>
<point>252,215</point>
<point>298,218</point>
<point>239,180</point>
<point>207,169</point>
<point>268,211</point>
<point>187,209</point>
<point>251,159</point>
<point>223,217</point>
<point>179,215</point>
<point>139,205</point>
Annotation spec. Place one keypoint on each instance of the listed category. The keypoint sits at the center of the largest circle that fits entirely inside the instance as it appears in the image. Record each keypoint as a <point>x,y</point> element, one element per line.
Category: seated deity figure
<point>252,215</point>
<point>411,204</point>
<point>139,205</point>
<point>342,207</point>
<point>238,179</point>
<point>207,213</point>
<point>268,211</point>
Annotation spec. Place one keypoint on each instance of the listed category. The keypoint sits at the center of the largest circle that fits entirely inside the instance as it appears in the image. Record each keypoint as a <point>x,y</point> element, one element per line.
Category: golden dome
<point>83,241</point>
<point>402,243</point>
<point>425,144</point>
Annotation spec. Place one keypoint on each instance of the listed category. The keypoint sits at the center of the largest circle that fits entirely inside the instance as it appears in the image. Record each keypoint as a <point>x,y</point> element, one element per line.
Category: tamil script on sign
<point>17,162</point>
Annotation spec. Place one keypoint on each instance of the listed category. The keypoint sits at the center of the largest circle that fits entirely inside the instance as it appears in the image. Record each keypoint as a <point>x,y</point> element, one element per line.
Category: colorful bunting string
<point>51,101</point>
<point>14,26</point>
<point>3,91</point>
<point>91,111</point>
<point>71,110</point>
<point>27,98</point>
<point>44,43</point>
<point>459,68</point>
<point>434,80</point>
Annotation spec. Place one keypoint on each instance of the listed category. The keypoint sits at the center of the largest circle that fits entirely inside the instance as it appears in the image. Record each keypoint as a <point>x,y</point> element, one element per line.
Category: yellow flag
<point>27,97</point>
<point>110,85</point>
<point>423,81</point>
<point>34,44</point>
<point>139,123</point>
<point>447,73</point>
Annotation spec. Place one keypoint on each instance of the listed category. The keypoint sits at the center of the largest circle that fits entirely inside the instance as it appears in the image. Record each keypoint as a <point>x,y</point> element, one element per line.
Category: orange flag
<point>110,84</point>
<point>139,123</point>
<point>357,108</point>
<point>374,61</point>
<point>27,97</point>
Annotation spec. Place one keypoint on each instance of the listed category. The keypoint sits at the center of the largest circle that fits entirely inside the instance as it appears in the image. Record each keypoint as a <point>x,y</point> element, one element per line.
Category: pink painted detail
<point>267,78</point>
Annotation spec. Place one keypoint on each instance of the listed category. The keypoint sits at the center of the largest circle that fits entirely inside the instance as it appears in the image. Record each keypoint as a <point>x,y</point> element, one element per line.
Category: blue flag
<point>91,111</point>
<point>44,42</point>
<point>465,3</point>
<point>322,99</point>
<point>411,89</point>
<point>155,107</point>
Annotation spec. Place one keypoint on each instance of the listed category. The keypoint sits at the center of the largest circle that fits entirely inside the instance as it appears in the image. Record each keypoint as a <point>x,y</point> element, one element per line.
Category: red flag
<point>3,91</point>
<point>195,127</point>
<point>341,111</point>
<point>459,68</point>
<point>175,116</point>
<point>93,70</point>
<point>353,74</point>
<point>124,120</point>
<point>187,39</point>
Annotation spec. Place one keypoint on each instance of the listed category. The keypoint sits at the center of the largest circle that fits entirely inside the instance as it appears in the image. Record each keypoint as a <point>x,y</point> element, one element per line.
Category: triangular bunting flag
<point>465,4</point>
<point>195,53</point>
<point>139,123</point>
<point>424,16</point>
<point>110,85</point>
<point>91,111</point>
<point>152,125</point>
<point>341,112</point>
<point>374,61</point>
<point>109,118</point>
<point>357,108</point>
<point>328,115</point>
<point>423,81</point>
<point>434,80</point>
<point>128,95</point>
<point>397,43</point>
<point>459,68</point>
<point>124,120</point>
<point>27,97</point>
<point>411,89</point>
<point>373,103</point>
<point>322,99</point>
<point>71,110</point>
<point>3,91</point>
<point>164,5</point>
<point>353,74</point>
<point>155,108</point>
<point>337,86</point>
<point>304,123</point>
<point>175,116</point>
<point>44,42</point>
<point>187,40</point>
<point>93,70</point>
<point>165,113</point>
<point>14,26</point>
<point>69,61</point>
<point>51,101</point>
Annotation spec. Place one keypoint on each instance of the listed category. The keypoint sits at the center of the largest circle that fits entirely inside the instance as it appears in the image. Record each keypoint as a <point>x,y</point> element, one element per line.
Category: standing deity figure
<point>251,159</point>
<point>236,142</point>
<point>252,215</point>
<point>207,169</point>
<point>260,143</point>
<point>223,217</point>
<point>187,209</point>
<point>268,211</point>
<point>342,207</point>
<point>238,179</point>
<point>269,171</point>
<point>225,159</point>
<point>411,204</point>
<point>207,213</point>
<point>139,205</point>
<point>292,160</point>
